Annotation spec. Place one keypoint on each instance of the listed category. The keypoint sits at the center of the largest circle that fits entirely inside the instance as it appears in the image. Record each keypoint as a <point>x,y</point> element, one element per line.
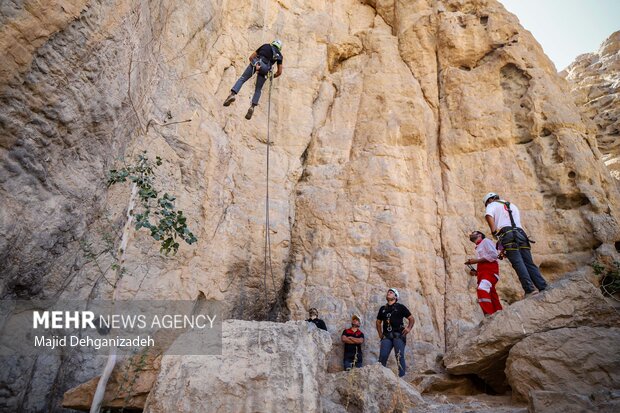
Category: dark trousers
<point>260,81</point>
<point>399,352</point>
<point>349,361</point>
<point>518,251</point>
<point>527,271</point>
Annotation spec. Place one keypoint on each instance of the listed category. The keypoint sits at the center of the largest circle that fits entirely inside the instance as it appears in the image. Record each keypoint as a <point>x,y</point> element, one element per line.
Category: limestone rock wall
<point>65,116</point>
<point>594,79</point>
<point>391,120</point>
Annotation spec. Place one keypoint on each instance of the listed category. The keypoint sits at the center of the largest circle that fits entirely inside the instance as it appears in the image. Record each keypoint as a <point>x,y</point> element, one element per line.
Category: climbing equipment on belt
<point>261,65</point>
<point>515,231</point>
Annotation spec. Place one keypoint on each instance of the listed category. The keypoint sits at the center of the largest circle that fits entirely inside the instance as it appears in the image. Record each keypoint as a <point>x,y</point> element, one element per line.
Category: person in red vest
<point>487,272</point>
<point>353,339</point>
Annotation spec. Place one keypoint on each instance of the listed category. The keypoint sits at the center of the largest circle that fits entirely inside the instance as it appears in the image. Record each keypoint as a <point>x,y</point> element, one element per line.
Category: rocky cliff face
<point>391,120</point>
<point>594,79</point>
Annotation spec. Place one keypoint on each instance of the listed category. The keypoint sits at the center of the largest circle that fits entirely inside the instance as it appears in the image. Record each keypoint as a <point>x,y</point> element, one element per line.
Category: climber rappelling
<point>261,63</point>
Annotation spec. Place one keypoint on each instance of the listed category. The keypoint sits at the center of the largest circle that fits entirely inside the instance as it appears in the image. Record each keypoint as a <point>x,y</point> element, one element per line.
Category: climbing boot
<point>248,115</point>
<point>230,99</point>
<point>533,293</point>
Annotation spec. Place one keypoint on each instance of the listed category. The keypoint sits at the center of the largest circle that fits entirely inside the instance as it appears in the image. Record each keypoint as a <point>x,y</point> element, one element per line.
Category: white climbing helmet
<point>277,43</point>
<point>395,291</point>
<point>489,196</point>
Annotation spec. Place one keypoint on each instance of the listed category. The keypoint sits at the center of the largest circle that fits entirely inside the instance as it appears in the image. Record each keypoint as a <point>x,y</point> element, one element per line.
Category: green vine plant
<point>609,276</point>
<point>157,213</point>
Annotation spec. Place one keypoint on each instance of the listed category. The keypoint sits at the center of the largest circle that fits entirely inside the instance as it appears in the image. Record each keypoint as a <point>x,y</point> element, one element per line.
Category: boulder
<point>571,302</point>
<point>372,388</point>
<point>580,360</point>
<point>264,366</point>
<point>128,386</point>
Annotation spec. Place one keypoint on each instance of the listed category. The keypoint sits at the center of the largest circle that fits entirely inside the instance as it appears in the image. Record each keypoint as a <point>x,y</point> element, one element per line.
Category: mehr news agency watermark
<point>85,320</point>
<point>170,327</point>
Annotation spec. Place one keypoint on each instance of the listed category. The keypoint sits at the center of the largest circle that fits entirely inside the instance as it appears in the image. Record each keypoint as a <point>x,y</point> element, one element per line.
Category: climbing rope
<point>268,265</point>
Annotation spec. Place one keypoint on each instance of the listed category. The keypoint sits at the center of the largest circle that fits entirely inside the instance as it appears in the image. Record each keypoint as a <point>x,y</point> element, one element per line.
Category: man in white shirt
<point>514,240</point>
<point>487,272</point>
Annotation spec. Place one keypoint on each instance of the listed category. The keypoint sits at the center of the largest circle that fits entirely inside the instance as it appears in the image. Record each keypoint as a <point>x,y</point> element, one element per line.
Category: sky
<point>567,28</point>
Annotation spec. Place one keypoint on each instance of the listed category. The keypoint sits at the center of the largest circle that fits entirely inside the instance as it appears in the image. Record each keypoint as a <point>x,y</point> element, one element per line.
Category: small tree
<point>169,224</point>
<point>155,213</point>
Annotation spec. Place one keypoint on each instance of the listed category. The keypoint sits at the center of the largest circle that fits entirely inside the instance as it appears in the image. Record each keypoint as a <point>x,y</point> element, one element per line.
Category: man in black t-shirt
<point>352,339</point>
<point>261,62</point>
<point>314,318</point>
<point>392,331</point>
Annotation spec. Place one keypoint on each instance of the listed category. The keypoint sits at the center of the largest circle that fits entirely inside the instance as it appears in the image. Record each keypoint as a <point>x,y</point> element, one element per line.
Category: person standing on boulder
<point>505,223</point>
<point>314,318</point>
<point>261,62</point>
<point>392,331</point>
<point>352,339</point>
<point>487,272</point>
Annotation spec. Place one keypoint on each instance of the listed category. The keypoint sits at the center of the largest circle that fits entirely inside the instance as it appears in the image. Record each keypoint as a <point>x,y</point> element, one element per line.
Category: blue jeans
<point>399,352</point>
<point>247,74</point>
<point>526,270</point>
<point>519,254</point>
<point>348,363</point>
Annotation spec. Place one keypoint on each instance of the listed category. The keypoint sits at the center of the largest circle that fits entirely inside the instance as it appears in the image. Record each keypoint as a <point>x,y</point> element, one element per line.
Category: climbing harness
<point>261,65</point>
<point>515,231</point>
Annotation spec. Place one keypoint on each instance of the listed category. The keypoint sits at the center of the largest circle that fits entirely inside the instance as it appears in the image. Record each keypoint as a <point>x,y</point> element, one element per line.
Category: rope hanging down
<point>268,265</point>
